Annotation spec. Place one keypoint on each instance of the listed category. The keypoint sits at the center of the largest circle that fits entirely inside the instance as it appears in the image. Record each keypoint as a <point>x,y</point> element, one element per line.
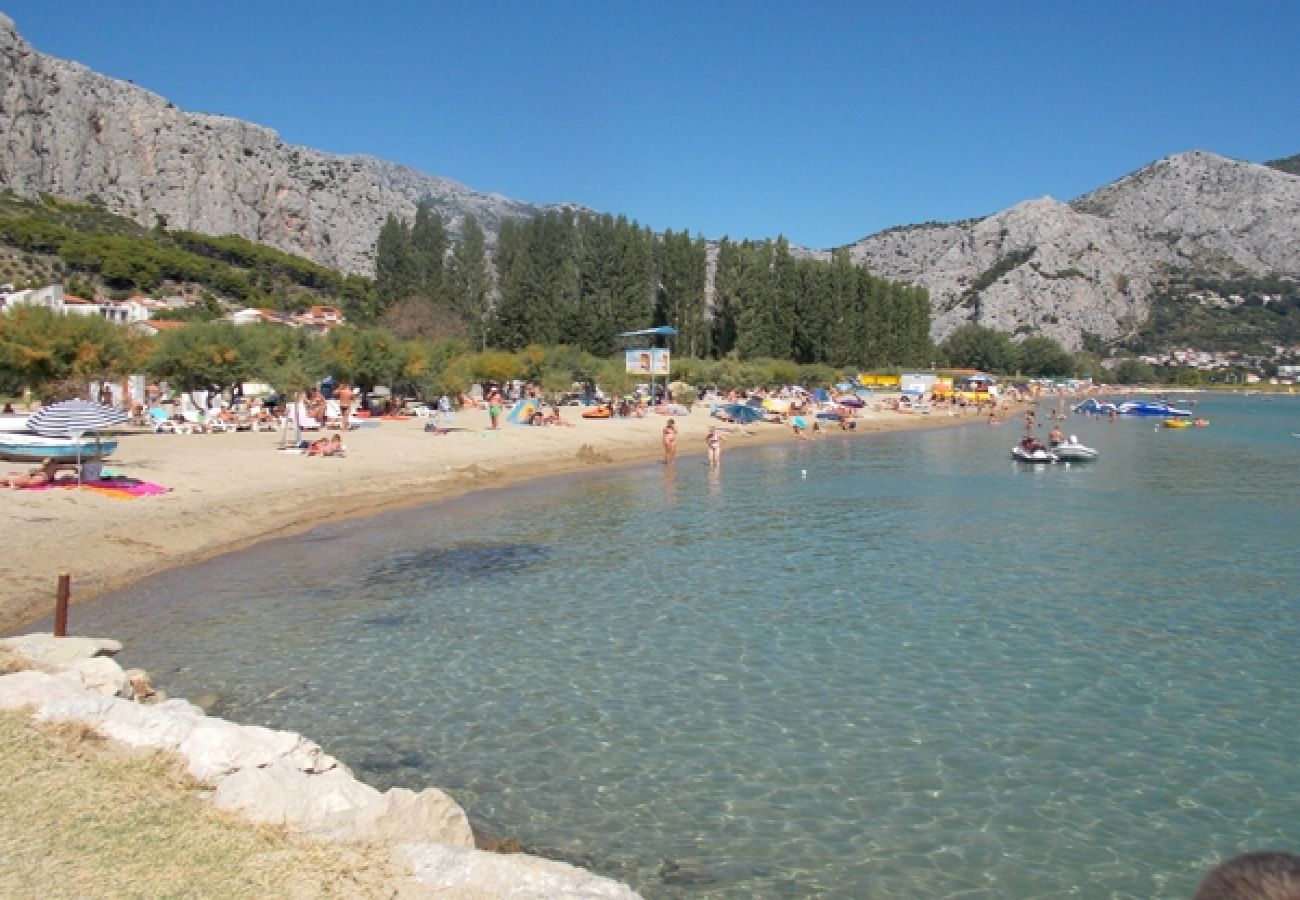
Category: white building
<point>120,312</point>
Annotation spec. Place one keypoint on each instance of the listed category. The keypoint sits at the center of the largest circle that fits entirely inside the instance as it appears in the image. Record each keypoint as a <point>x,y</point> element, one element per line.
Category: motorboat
<point>1030,450</point>
<point>1177,423</point>
<point>1151,408</point>
<point>29,447</point>
<point>1073,451</point>
<point>1095,407</point>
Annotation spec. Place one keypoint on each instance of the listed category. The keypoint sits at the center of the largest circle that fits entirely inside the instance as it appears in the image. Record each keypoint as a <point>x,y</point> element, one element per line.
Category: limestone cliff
<point>1062,270</point>
<point>68,131</point>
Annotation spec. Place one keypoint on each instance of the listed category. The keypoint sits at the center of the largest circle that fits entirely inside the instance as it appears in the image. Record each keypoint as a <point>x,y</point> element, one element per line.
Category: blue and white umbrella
<point>73,418</point>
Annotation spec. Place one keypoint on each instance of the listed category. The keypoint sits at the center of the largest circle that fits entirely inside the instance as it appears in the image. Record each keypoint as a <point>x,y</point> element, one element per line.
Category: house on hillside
<point>52,297</point>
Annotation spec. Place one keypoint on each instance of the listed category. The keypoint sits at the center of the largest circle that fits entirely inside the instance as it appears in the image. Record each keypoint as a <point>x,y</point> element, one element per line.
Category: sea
<point>894,665</point>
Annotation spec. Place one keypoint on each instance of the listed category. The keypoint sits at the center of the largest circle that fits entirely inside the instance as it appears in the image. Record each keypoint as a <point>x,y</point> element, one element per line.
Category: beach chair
<point>164,424</point>
<point>203,424</point>
<point>298,411</point>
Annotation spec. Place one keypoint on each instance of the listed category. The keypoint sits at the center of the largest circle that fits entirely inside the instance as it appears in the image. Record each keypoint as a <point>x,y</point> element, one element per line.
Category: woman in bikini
<point>670,442</point>
<point>714,442</point>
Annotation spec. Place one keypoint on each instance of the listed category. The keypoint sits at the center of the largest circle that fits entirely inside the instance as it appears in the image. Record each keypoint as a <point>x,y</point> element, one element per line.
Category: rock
<point>446,868</point>
<point>215,748</point>
<point>48,649</point>
<point>211,748</point>
<point>37,689</point>
<point>161,727</point>
<point>402,816</point>
<point>99,674</point>
<point>281,793</point>
<point>206,701</point>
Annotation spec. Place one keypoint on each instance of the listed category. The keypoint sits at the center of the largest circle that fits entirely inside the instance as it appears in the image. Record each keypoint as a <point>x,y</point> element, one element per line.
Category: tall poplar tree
<point>469,280</point>
<point>397,274</point>
<point>429,248</point>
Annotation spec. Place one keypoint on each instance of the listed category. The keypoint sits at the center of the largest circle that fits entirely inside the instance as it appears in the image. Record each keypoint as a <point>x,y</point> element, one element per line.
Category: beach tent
<point>743,414</point>
<point>523,411</point>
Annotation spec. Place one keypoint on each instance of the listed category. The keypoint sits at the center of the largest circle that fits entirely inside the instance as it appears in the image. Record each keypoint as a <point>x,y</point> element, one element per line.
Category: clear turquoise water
<point>922,670</point>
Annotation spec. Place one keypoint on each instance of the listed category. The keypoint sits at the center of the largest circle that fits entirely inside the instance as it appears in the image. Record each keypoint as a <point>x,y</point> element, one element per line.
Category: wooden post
<point>61,605</point>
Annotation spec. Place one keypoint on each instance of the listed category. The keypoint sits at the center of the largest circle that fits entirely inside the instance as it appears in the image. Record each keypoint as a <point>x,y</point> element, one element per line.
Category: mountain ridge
<point>1067,270</point>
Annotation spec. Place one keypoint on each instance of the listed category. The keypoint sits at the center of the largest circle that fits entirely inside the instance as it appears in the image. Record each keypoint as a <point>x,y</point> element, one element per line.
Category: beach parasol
<point>74,418</point>
<point>742,414</point>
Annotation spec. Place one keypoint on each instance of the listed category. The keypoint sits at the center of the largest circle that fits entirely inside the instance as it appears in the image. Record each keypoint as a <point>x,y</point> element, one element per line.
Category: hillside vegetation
<point>86,248</point>
<point>1289,164</point>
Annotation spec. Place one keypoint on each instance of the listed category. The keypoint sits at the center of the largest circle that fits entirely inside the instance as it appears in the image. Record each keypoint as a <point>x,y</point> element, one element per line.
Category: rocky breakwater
<point>276,777</point>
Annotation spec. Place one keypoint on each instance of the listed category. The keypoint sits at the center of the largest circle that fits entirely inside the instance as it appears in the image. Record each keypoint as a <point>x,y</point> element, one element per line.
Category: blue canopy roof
<point>662,329</point>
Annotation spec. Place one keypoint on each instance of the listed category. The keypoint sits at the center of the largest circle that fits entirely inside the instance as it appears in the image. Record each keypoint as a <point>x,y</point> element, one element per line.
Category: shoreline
<point>228,492</point>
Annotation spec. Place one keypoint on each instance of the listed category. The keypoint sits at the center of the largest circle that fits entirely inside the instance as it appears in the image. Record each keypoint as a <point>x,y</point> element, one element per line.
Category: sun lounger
<point>164,424</point>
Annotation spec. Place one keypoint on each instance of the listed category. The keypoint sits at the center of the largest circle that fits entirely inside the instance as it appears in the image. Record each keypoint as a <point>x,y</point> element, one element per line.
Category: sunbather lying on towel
<point>330,446</point>
<point>45,473</point>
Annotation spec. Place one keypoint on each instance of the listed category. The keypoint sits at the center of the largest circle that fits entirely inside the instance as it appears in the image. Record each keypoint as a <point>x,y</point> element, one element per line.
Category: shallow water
<point>922,670</point>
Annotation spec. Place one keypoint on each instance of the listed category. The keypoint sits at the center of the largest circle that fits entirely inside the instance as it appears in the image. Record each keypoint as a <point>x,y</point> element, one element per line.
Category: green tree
<point>980,348</point>
<point>469,281</point>
<point>397,271</point>
<point>1043,356</point>
<point>39,347</point>
<point>210,356</point>
<point>1134,371</point>
<point>429,249</point>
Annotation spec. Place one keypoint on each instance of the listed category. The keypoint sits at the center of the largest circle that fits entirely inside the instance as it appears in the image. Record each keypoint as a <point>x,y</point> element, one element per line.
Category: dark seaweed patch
<point>460,563</point>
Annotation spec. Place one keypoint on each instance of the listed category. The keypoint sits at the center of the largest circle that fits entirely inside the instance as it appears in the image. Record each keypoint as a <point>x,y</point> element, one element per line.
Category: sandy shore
<point>231,490</point>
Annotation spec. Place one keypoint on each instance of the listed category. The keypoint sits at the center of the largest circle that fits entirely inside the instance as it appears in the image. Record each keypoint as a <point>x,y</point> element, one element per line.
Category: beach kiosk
<point>652,360</point>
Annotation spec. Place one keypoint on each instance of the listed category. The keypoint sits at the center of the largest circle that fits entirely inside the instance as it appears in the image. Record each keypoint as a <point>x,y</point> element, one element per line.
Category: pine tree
<point>469,280</point>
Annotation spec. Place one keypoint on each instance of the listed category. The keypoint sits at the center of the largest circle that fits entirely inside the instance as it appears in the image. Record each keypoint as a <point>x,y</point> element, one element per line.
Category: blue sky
<point>822,121</point>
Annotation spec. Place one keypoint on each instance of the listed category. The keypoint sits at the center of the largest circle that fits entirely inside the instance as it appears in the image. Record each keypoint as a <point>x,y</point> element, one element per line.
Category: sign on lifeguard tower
<point>647,361</point>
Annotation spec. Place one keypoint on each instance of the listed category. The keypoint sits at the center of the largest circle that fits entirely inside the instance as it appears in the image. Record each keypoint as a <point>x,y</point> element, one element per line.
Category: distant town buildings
<point>140,310</point>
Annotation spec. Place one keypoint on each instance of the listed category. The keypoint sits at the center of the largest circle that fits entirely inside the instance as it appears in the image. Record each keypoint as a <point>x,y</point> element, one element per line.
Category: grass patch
<point>82,818</point>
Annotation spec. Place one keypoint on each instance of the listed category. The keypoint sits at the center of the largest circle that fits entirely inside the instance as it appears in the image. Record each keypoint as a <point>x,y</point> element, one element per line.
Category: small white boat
<point>1030,451</point>
<point>28,447</point>
<point>1073,451</point>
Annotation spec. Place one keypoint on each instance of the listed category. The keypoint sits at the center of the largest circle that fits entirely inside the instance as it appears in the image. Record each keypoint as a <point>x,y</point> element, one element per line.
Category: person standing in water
<point>670,442</point>
<point>714,442</point>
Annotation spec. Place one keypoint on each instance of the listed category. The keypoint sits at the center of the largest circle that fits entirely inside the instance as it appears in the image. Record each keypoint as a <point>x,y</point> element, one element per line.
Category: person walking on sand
<point>345,395</point>
<point>494,408</point>
<point>713,440</point>
<point>670,442</point>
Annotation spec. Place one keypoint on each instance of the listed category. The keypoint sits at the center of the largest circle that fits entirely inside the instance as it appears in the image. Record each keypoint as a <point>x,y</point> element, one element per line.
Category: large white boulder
<point>99,674</point>
<point>215,748</point>
<point>401,816</point>
<point>43,647</point>
<point>283,794</point>
<point>37,689</point>
<point>513,875</point>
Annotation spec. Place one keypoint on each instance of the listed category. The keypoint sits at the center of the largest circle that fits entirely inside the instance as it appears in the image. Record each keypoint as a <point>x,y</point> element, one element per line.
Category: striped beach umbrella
<point>72,418</point>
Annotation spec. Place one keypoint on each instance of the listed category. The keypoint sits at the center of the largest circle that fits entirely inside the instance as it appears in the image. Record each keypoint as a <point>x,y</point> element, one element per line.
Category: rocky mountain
<point>68,131</point>
<point>1041,267</point>
<point>1091,266</point>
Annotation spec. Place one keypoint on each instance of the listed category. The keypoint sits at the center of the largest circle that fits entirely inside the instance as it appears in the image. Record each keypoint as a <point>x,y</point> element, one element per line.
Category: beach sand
<point>227,491</point>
